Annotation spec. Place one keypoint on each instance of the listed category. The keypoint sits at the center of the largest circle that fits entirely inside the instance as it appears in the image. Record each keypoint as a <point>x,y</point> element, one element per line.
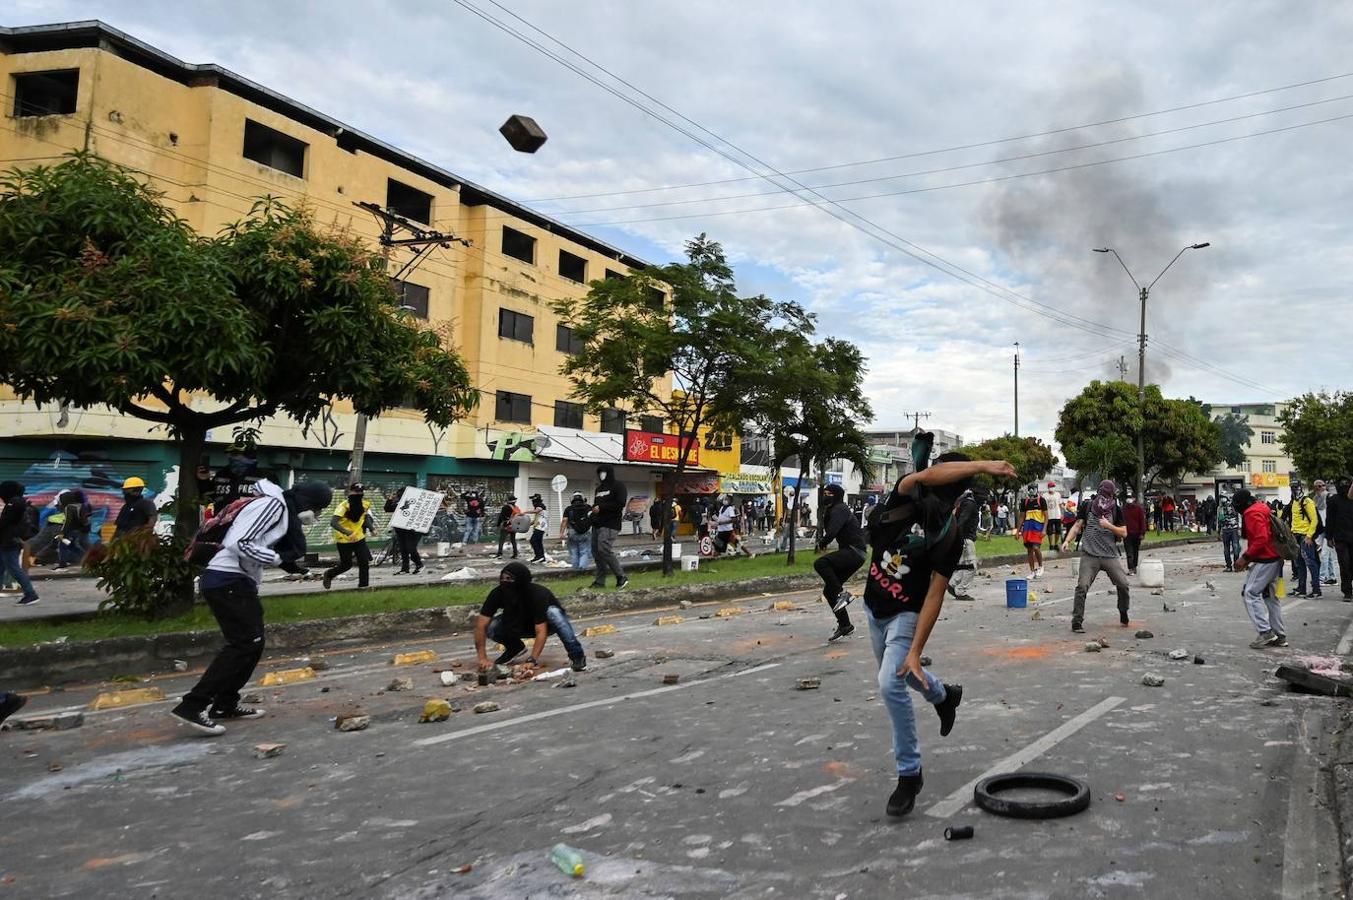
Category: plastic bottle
<point>569,861</point>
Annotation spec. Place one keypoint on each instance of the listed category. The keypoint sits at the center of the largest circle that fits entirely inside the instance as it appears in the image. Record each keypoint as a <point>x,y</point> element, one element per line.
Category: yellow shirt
<point>357,528</point>
<point>1304,517</point>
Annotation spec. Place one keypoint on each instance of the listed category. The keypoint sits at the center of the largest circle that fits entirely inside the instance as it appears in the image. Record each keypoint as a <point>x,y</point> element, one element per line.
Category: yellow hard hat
<point>133,482</point>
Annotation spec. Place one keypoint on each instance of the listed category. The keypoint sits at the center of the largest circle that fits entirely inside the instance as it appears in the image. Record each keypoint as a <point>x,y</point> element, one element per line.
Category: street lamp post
<point>1144,291</point>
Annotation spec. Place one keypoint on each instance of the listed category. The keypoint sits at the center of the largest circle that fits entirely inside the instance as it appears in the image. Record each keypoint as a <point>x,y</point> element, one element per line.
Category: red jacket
<point>1134,517</point>
<point>1258,532</point>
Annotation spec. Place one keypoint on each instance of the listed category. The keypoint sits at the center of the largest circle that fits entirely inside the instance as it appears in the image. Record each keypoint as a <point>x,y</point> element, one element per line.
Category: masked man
<point>608,506</point>
<point>836,568</point>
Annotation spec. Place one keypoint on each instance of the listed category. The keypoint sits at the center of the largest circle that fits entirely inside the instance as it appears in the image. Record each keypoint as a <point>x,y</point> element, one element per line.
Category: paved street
<point>729,783</point>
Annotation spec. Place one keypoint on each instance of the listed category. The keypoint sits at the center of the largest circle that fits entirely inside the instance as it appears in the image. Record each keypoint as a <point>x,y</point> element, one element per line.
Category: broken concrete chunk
<point>605,654</point>
<point>1179,654</point>
<point>401,684</point>
<point>352,723</point>
<point>1093,647</point>
<point>435,711</point>
<point>925,661</point>
<point>268,751</point>
<point>1199,661</point>
<point>61,722</point>
<point>669,620</point>
<point>1103,642</point>
<point>809,684</point>
<point>685,604</point>
<point>1144,634</point>
<point>671,678</point>
<point>319,665</point>
<point>1304,679</point>
<point>180,665</point>
<point>450,678</point>
<point>487,706</point>
<point>251,699</point>
<point>1150,679</point>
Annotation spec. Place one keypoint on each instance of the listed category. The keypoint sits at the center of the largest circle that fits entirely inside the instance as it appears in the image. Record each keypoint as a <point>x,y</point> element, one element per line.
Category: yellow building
<point>213,142</point>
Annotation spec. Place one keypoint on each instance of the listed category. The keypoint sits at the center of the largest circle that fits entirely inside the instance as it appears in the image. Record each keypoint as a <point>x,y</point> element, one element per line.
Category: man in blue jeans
<point>15,527</point>
<point>518,609</point>
<point>908,575</point>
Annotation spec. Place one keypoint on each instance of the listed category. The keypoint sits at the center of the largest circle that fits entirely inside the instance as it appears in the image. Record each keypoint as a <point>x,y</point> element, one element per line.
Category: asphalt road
<point>729,783</point>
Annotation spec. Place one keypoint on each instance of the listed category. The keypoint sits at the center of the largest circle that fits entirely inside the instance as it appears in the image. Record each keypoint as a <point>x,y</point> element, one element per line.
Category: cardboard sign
<point>416,510</point>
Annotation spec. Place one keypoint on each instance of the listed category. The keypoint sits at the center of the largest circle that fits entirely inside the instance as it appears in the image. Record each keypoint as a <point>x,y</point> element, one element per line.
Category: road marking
<point>810,793</point>
<point>578,707</point>
<point>963,796</point>
<point>1345,642</point>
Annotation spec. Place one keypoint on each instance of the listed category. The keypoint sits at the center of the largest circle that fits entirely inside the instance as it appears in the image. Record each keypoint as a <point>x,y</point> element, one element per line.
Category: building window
<point>1268,437</point>
<point>1246,467</point>
<point>613,421</point>
<point>512,407</point>
<point>412,298</point>
<point>1270,465</point>
<point>566,341</point>
<point>574,268</point>
<point>273,149</point>
<point>652,424</point>
<point>46,93</point>
<point>568,415</point>
<point>613,275</point>
<point>408,202</point>
<point>655,298</point>
<point>519,245</point>
<point>516,326</point>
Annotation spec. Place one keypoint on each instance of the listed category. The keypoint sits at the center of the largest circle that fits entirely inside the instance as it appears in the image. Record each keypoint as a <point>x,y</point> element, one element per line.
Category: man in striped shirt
<point>266,532</point>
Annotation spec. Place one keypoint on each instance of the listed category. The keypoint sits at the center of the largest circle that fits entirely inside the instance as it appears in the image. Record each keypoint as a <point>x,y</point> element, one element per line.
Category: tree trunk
<point>793,521</point>
<point>672,479</point>
<point>192,441</point>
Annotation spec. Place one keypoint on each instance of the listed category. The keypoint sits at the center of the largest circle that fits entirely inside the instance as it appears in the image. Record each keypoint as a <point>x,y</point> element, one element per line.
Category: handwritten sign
<point>416,510</point>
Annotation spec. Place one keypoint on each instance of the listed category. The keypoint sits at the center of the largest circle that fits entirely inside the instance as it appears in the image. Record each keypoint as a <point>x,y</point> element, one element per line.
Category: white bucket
<point>1151,573</point>
<point>690,564</point>
<point>443,548</point>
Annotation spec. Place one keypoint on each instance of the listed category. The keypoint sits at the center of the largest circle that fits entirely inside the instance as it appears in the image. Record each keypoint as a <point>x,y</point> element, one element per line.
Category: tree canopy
<point>1031,458</point>
<point>1318,434</point>
<point>1235,436</point>
<point>107,297</point>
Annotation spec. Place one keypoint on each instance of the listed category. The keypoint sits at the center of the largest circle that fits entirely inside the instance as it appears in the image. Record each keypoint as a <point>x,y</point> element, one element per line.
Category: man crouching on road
<point>518,609</point>
<point>908,575</point>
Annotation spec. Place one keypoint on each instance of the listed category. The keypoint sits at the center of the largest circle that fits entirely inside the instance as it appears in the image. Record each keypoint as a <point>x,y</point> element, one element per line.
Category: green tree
<point>1103,456</point>
<point>1318,433</point>
<point>1031,458</point>
<point>1177,435</point>
<point>711,342</point>
<point>1235,437</point>
<point>106,297</point>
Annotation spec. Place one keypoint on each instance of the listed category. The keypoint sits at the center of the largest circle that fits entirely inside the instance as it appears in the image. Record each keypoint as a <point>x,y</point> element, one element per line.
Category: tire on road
<point>988,791</point>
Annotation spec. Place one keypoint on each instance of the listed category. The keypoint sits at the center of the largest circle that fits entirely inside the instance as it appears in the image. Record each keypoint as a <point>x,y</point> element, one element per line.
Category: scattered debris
<point>685,604</point>
<point>180,665</point>
<point>1093,647</point>
<point>1120,796</point>
<point>1144,635</point>
<point>569,680</point>
<point>487,706</point>
<point>460,574</point>
<point>1103,642</point>
<point>810,684</point>
<point>605,654</point>
<point>436,711</point>
<point>456,664</point>
<point>728,611</point>
<point>1314,682</point>
<point>463,870</point>
<point>414,658</point>
<point>1157,592</point>
<point>251,699</point>
<point>1199,661</point>
<point>598,630</point>
<point>324,690</point>
<point>1150,679</point>
<point>1036,616</point>
<point>925,661</point>
<point>134,697</point>
<point>288,676</point>
<point>320,665</point>
<point>450,678</point>
<point>1166,607</point>
<point>958,833</point>
<point>54,766</point>
<point>61,722</point>
<point>268,751</point>
<point>669,620</point>
<point>400,684</point>
<point>1210,586</point>
<point>1179,654</point>
<point>707,615</point>
<point>553,673</point>
<point>352,723</point>
<point>671,678</point>
<point>783,606</point>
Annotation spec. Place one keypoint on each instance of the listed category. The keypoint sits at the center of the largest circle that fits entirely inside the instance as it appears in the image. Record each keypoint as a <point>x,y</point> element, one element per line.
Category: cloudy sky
<point>1150,114</point>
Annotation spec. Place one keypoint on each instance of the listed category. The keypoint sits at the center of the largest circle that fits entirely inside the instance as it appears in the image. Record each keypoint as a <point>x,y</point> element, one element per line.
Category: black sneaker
<point>840,632</point>
<point>842,600</point>
<point>199,720</point>
<point>579,663</point>
<point>507,656</point>
<point>948,707</point>
<point>1123,618</point>
<point>239,712</point>
<point>417,570</point>
<point>903,798</point>
<point>1279,640</point>
<point>623,583</point>
<point>538,559</point>
<point>1078,628</point>
<point>12,704</point>
<point>29,601</point>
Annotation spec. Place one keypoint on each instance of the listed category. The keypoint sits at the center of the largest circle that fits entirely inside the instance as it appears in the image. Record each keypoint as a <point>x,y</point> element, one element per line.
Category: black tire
<point>987,795</point>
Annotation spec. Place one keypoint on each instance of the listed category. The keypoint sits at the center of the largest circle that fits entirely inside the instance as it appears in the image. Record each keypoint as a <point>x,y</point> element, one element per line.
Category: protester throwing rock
<point>518,609</point>
<point>1101,518</point>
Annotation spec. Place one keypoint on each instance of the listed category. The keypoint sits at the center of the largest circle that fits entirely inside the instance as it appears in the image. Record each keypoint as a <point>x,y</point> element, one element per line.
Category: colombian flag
<point>1035,521</point>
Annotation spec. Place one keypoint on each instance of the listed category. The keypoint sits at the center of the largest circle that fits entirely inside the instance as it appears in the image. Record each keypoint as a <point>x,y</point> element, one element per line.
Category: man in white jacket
<point>266,532</point>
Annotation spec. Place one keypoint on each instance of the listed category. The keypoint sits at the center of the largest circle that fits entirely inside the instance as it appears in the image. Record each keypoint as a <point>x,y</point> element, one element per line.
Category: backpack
<point>1283,539</point>
<point>579,516</point>
<point>30,524</point>
<point>207,542</point>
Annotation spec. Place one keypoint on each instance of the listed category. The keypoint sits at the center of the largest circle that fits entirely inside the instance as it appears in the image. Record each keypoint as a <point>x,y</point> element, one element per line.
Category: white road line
<point>1345,642</point>
<point>963,796</point>
<point>1308,841</point>
<point>578,707</point>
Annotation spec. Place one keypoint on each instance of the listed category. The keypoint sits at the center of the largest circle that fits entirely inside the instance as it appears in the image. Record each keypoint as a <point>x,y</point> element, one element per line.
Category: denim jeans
<point>11,561</point>
<point>1230,545</point>
<point>580,549</point>
<point>474,526</point>
<point>1308,561</point>
<point>71,554</point>
<point>891,639</point>
<point>1327,555</point>
<point>557,623</point>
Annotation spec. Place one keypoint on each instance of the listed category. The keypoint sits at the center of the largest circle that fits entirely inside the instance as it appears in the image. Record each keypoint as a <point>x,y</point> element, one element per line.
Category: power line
<point>959,147</point>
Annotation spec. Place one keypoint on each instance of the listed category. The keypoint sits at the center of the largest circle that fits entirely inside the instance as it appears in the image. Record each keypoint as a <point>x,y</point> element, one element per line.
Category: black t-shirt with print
<point>522,609</point>
<point>899,576</point>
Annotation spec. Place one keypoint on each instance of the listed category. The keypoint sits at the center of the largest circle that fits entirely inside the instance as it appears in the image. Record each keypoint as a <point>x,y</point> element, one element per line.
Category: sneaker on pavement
<point>239,712</point>
<point>952,593</point>
<point>579,664</point>
<point>623,584</point>
<point>840,632</point>
<point>1265,639</point>
<point>903,798</point>
<point>12,704</point>
<point>28,601</point>
<point>1078,628</point>
<point>843,600</point>
<point>1123,618</point>
<point>327,581</point>
<point>966,598</point>
<point>948,707</point>
<point>1038,573</point>
<point>1279,640</point>
<point>198,720</point>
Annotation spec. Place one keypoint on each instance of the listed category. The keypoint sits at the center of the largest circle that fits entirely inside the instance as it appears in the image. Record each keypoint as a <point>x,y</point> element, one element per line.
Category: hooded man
<point>138,511</point>
<point>575,527</point>
<point>608,506</point>
<point>268,531</point>
<point>1265,564</point>
<point>16,526</point>
<point>1228,531</point>
<point>903,594</point>
<point>1101,519</point>
<point>836,567</point>
<point>1304,518</point>
<point>1033,521</point>
<point>506,532</point>
<point>516,609</point>
<point>969,509</point>
<point>474,515</point>
<point>1339,533</point>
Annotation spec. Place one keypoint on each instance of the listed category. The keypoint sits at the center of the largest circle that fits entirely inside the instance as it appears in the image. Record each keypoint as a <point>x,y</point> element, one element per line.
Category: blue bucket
<point>1016,593</point>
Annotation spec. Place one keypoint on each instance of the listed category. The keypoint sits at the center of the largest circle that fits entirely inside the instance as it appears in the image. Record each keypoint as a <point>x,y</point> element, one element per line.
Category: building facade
<point>1267,469</point>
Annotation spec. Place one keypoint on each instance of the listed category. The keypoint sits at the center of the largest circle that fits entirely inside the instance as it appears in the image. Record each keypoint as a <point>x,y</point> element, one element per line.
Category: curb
<point>51,663</point>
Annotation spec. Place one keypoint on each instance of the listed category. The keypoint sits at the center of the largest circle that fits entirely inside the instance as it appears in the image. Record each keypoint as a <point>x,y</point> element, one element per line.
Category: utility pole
<point>1016,388</point>
<point>422,241</point>
<point>1122,367</point>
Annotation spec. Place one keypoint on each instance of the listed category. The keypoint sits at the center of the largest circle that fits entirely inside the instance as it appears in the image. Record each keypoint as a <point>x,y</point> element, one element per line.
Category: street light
<point>1143,292</point>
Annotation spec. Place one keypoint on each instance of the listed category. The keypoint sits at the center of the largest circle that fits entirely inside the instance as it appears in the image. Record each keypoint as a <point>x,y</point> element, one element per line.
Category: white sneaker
<point>1038,573</point>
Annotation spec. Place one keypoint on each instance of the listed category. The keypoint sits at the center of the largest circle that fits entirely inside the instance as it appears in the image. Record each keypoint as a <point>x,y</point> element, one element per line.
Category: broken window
<point>518,245</point>
<point>408,202</point>
<point>572,267</point>
<point>46,93</point>
<point>271,148</point>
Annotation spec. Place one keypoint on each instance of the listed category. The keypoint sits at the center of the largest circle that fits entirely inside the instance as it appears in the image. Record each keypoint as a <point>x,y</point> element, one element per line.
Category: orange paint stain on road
<point>1036,653</point>
<point>289,802</point>
<point>835,654</point>
<point>841,770</point>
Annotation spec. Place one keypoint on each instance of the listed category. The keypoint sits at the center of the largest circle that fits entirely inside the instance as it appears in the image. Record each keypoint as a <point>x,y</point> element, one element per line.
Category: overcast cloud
<point>805,85</point>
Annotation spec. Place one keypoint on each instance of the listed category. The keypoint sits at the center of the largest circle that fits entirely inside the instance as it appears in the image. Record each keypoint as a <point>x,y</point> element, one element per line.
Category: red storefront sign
<point>648,447</point>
